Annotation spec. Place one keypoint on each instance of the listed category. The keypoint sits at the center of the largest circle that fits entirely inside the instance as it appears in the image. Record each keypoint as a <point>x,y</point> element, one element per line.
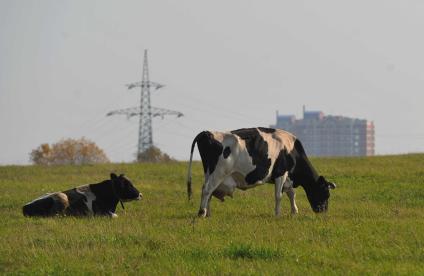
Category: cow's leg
<point>208,209</point>
<point>292,197</point>
<point>112,214</point>
<point>61,202</point>
<point>210,185</point>
<point>278,194</point>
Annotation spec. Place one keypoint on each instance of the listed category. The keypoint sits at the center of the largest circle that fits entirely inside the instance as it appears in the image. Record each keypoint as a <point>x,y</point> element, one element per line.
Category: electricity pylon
<point>145,110</point>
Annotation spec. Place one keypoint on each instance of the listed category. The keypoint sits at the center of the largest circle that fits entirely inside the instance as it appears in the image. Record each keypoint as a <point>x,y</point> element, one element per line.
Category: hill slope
<point>375,224</point>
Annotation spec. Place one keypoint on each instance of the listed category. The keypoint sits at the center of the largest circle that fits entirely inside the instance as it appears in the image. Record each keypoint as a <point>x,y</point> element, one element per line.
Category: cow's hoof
<point>202,213</point>
<point>113,215</point>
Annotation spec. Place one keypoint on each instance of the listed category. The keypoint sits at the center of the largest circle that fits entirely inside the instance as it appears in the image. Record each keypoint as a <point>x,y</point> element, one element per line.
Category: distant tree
<point>153,155</point>
<point>68,151</point>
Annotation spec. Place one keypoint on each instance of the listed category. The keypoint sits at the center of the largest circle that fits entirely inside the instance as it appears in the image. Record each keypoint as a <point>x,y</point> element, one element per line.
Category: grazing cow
<point>92,199</point>
<point>248,157</point>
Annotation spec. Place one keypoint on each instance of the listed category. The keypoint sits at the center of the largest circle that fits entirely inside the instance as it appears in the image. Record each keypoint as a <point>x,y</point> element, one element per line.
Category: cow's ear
<point>113,176</point>
<point>331,185</point>
<point>121,175</point>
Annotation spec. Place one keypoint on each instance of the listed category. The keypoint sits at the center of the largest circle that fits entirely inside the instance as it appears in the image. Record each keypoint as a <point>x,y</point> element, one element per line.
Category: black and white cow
<point>246,158</point>
<point>92,199</point>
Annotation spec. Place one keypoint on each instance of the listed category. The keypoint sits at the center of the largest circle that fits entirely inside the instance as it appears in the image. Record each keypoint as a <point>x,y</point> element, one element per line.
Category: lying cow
<point>246,158</point>
<point>93,199</point>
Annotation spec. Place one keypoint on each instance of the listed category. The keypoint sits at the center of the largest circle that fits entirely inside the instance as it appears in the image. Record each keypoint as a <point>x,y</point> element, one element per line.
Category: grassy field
<point>375,224</point>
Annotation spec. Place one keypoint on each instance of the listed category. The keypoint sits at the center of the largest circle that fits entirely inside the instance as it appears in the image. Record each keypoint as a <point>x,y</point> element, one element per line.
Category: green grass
<point>375,224</point>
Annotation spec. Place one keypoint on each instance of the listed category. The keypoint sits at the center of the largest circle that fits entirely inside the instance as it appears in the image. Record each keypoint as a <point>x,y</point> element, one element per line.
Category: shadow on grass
<point>236,251</point>
<point>247,251</point>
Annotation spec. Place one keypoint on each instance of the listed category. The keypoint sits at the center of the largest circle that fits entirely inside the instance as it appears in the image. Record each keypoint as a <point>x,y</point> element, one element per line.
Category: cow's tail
<point>189,189</point>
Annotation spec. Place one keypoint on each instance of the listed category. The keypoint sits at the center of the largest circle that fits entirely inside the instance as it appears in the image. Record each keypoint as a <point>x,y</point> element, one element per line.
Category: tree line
<point>83,151</point>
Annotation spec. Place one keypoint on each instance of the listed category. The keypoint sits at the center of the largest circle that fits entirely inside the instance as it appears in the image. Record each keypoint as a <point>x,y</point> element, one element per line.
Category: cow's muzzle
<point>321,208</point>
<point>139,197</point>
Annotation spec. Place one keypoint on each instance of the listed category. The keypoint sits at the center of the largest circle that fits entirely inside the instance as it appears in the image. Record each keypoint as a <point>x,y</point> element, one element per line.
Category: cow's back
<point>261,150</point>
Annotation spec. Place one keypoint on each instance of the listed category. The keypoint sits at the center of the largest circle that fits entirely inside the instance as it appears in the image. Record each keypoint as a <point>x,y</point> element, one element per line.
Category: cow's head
<point>319,194</point>
<point>124,189</point>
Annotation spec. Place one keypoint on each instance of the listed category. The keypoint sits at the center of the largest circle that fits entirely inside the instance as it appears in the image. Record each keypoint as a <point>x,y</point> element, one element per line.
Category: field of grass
<point>375,224</point>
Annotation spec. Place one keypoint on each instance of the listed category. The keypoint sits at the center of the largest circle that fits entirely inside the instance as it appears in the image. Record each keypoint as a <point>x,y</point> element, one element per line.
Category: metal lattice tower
<point>145,135</point>
<point>145,110</point>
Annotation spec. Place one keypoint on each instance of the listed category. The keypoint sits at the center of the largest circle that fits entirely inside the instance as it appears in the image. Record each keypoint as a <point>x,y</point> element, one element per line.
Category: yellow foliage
<point>69,151</point>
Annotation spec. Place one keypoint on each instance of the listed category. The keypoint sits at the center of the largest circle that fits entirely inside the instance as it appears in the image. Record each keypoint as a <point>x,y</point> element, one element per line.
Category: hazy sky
<point>225,64</point>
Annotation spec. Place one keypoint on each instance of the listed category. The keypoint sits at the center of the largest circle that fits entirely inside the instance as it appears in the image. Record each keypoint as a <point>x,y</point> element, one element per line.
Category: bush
<point>68,151</point>
<point>153,155</point>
